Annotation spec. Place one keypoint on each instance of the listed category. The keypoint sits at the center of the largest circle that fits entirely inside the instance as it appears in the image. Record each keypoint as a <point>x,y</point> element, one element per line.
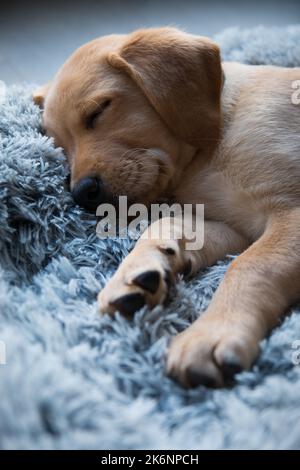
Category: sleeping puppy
<point>155,114</point>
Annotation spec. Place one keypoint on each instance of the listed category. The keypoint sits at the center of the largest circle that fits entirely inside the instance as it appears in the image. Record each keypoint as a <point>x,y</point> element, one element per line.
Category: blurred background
<point>37,37</point>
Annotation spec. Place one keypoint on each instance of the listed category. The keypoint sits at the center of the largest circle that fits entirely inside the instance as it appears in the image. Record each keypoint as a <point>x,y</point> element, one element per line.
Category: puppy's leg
<point>145,275</point>
<point>258,287</point>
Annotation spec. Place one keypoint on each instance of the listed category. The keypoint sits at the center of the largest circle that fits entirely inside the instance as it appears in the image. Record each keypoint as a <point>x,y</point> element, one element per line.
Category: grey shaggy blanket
<point>77,381</point>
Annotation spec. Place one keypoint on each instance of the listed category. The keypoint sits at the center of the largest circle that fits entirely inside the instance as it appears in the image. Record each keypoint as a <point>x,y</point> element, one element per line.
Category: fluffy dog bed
<point>75,380</point>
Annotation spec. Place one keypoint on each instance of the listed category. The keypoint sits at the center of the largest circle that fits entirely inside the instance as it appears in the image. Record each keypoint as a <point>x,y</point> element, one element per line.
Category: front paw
<point>144,278</point>
<point>210,353</point>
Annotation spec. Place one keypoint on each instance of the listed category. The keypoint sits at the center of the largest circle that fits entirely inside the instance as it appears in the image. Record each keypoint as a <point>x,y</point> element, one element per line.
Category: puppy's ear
<point>181,75</point>
<point>39,95</point>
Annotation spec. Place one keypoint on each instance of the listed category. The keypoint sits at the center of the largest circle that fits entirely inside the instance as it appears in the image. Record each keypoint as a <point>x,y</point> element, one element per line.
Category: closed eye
<point>90,121</point>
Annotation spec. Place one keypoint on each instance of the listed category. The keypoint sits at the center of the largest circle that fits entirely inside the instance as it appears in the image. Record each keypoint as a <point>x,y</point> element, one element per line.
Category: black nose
<point>89,192</point>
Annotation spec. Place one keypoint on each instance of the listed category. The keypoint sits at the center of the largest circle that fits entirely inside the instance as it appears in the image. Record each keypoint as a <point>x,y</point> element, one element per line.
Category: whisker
<point>132,151</point>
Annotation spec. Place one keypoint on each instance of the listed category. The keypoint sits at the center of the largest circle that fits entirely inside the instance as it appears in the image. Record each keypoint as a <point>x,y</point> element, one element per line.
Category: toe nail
<point>130,303</point>
<point>148,280</point>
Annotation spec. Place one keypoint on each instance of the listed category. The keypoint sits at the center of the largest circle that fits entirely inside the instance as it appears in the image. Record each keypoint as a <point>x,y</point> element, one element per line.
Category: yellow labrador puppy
<point>156,114</point>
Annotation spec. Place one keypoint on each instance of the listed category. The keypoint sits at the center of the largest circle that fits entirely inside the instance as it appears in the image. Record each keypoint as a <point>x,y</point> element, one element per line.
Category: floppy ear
<point>181,75</point>
<point>39,95</point>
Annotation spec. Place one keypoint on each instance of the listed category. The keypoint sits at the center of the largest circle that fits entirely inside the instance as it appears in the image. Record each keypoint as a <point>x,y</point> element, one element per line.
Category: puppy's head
<point>131,110</point>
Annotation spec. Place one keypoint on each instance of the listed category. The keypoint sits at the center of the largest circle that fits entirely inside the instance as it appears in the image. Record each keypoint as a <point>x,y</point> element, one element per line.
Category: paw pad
<point>230,367</point>
<point>130,303</point>
<point>148,280</point>
<point>195,378</point>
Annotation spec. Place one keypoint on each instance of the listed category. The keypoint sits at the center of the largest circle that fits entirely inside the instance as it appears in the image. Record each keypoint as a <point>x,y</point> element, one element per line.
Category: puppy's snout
<point>89,192</point>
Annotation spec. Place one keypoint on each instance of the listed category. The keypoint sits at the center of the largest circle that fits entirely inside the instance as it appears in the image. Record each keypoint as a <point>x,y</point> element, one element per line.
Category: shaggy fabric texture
<point>75,380</point>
